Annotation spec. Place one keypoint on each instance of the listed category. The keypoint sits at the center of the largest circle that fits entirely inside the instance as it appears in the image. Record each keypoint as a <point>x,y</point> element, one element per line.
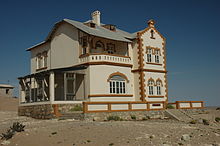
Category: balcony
<point>101,58</point>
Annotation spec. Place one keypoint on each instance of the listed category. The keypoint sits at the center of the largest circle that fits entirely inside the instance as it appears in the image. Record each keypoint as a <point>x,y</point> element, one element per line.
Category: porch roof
<point>72,68</point>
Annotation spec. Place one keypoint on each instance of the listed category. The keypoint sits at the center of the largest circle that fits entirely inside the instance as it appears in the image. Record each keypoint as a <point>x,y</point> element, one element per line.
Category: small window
<point>149,55</point>
<point>152,34</point>
<point>156,104</point>
<point>39,61</point>
<point>7,91</point>
<point>117,85</point>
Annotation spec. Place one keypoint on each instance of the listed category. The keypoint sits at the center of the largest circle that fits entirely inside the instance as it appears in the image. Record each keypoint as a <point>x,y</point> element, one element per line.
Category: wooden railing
<point>188,104</point>
<point>89,107</point>
<point>101,57</point>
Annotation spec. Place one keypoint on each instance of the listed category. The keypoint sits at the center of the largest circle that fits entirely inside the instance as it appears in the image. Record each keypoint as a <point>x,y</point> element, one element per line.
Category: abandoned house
<point>98,64</point>
<point>6,90</point>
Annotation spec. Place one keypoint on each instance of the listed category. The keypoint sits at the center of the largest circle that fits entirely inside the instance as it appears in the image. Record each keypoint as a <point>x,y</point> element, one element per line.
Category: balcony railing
<point>100,57</point>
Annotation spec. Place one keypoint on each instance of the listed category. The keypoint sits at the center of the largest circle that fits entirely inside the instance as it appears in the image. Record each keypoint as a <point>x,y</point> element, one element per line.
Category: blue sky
<point>191,28</point>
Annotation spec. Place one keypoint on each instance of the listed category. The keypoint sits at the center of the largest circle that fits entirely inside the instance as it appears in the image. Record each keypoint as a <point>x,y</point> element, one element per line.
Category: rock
<point>216,134</point>
<point>5,142</point>
<point>152,136</point>
<point>185,137</point>
<point>96,119</point>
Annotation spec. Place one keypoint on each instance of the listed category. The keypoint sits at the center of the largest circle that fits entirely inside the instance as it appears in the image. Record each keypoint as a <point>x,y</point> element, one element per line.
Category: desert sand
<point>118,133</point>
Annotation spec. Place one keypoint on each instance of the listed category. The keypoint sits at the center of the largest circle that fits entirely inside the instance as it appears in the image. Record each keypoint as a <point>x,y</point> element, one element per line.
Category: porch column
<point>21,94</point>
<point>51,85</point>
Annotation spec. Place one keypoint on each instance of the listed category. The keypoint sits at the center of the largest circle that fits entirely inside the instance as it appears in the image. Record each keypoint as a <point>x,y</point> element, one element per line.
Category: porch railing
<point>97,57</point>
<point>89,107</point>
<point>187,104</point>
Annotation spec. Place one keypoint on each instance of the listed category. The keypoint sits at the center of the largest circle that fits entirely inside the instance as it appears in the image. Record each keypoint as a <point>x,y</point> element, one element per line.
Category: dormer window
<point>110,27</point>
<point>92,25</point>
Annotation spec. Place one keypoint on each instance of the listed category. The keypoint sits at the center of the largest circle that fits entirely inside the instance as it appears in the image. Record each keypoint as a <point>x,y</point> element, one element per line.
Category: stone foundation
<point>69,108</point>
<point>44,111</point>
<point>128,115</point>
<point>47,111</point>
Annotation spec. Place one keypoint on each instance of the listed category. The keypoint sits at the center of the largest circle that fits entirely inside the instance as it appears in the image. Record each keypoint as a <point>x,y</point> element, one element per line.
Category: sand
<point>118,133</point>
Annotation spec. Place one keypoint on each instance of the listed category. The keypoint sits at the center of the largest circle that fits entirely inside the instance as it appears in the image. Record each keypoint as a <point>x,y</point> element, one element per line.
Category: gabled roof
<point>99,31</point>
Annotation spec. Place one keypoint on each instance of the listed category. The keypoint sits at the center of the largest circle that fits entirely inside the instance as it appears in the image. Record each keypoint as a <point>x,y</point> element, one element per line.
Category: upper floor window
<point>84,44</point>
<point>41,60</point>
<point>151,87</point>
<point>110,48</point>
<point>149,55</point>
<point>157,56</point>
<point>117,84</point>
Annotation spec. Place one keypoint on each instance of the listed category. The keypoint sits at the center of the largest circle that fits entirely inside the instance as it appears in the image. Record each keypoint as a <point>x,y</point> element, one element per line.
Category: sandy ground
<point>118,133</point>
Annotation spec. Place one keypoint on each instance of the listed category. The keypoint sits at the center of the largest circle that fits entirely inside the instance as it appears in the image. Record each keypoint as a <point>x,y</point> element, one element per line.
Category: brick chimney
<point>96,17</point>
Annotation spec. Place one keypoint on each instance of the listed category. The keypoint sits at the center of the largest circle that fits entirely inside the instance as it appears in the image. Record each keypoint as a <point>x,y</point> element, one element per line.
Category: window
<point>99,45</point>
<point>149,55</point>
<point>39,64</point>
<point>117,85</point>
<point>152,34</point>
<point>151,87</point>
<point>84,44</point>
<point>159,87</point>
<point>7,91</point>
<point>41,60</point>
<point>157,56</point>
<point>110,48</point>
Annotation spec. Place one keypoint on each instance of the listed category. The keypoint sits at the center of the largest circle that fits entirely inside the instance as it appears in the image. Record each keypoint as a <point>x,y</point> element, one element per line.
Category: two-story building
<point>96,62</point>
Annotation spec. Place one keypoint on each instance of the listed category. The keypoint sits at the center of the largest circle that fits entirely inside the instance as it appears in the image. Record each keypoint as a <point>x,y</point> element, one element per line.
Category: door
<point>70,82</point>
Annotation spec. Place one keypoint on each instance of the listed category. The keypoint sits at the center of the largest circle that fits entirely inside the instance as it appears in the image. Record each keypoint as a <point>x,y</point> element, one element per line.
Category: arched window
<point>99,45</point>
<point>151,87</point>
<point>159,84</point>
<point>117,84</point>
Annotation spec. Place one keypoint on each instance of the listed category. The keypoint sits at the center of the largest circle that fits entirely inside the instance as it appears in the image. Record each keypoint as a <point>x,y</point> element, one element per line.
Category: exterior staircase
<point>179,115</point>
<point>77,115</point>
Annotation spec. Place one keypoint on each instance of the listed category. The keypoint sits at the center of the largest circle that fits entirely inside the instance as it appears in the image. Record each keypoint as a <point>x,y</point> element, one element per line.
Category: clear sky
<point>191,28</point>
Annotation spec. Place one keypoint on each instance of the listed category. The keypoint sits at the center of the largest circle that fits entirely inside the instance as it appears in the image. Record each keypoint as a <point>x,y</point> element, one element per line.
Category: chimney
<point>96,17</point>
<point>151,23</point>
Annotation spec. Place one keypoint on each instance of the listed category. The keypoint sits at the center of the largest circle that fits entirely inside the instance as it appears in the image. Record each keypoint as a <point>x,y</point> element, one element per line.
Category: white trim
<point>34,103</point>
<point>65,102</point>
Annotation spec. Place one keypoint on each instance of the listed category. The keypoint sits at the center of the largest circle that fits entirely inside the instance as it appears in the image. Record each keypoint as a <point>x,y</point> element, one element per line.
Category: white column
<point>51,85</point>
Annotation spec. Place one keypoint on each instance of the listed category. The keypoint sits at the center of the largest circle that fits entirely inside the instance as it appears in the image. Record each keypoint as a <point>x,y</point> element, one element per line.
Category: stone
<point>185,137</point>
<point>5,142</point>
<point>96,119</point>
<point>166,144</point>
<point>216,134</point>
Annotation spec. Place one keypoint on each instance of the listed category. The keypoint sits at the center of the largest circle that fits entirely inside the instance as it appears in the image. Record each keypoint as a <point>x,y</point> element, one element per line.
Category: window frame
<point>117,86</point>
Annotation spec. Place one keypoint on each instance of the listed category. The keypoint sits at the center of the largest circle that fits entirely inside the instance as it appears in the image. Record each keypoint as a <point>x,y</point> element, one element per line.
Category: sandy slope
<point>8,104</point>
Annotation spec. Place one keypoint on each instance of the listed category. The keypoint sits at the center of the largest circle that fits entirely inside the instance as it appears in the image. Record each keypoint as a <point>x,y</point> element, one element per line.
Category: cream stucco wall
<point>99,75</point>
<point>64,47</point>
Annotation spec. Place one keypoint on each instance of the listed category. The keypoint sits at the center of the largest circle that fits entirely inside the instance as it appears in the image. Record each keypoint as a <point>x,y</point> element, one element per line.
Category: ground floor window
<point>117,85</point>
